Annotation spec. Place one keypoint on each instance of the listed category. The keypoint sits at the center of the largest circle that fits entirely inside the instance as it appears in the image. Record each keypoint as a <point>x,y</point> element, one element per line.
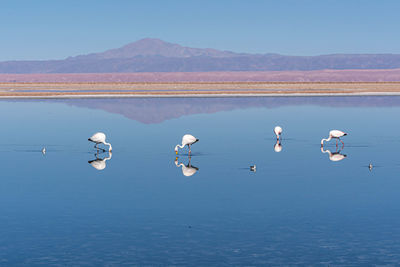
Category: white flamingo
<point>98,163</point>
<point>334,134</point>
<point>187,170</point>
<point>278,132</point>
<point>334,156</point>
<point>100,138</point>
<point>187,140</point>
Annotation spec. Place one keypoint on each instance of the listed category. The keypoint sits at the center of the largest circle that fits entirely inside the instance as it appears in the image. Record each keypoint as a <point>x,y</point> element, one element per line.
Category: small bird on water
<point>253,168</point>
<point>44,151</point>
<point>370,167</point>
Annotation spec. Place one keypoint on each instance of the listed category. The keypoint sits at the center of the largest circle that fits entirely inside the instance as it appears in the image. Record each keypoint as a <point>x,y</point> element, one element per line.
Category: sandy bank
<point>197,89</point>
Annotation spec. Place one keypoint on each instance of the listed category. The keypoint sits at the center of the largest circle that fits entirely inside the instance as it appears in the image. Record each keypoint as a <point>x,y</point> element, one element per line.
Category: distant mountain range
<point>154,55</point>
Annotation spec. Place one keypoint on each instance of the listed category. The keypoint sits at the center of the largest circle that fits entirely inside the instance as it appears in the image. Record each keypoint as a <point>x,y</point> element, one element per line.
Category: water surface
<point>140,208</point>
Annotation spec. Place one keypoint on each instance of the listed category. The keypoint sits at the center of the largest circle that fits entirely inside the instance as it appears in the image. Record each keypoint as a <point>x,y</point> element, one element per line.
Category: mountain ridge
<point>155,55</point>
<point>155,47</point>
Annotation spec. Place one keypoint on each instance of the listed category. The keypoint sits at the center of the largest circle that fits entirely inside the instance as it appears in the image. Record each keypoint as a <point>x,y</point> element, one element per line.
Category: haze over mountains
<point>154,55</point>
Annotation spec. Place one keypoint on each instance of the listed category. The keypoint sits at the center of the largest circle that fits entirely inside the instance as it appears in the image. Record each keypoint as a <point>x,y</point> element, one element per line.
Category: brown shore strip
<point>143,89</point>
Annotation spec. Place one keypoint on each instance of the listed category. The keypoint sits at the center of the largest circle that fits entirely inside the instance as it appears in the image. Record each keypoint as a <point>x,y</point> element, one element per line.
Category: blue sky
<point>57,29</point>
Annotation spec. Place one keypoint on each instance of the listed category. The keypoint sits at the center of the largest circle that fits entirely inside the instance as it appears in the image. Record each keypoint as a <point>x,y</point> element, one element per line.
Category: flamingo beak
<point>176,152</point>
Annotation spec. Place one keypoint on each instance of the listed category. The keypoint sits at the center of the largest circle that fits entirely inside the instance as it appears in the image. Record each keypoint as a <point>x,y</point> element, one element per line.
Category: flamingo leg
<point>341,141</point>
<point>336,142</point>
<point>189,149</point>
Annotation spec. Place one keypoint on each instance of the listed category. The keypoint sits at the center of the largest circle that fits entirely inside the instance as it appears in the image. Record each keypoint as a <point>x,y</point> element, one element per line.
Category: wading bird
<point>100,138</point>
<point>187,140</point>
<point>334,134</point>
<point>278,132</point>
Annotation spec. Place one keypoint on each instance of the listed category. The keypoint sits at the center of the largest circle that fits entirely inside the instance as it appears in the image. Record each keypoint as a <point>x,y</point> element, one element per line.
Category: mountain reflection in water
<point>157,110</point>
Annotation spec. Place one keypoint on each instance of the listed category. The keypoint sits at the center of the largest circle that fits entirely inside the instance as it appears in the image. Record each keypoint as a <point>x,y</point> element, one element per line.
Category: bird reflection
<point>100,163</point>
<point>334,156</point>
<point>278,146</point>
<point>187,170</point>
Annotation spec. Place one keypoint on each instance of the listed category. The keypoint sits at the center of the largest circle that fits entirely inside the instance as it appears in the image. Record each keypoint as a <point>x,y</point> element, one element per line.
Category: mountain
<point>154,55</point>
<point>155,47</point>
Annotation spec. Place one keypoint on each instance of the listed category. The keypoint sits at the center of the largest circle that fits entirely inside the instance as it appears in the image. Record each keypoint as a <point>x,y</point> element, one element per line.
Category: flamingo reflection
<point>187,170</point>
<point>100,163</point>
<point>278,146</point>
<point>334,156</point>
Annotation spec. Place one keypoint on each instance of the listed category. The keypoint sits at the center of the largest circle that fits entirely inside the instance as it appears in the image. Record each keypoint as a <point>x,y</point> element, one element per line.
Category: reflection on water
<point>100,163</point>
<point>298,209</point>
<point>334,156</point>
<point>278,146</point>
<point>157,110</point>
<point>188,169</point>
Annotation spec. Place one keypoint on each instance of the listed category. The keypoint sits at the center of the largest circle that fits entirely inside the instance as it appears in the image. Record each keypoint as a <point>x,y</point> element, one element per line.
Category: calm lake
<point>143,206</point>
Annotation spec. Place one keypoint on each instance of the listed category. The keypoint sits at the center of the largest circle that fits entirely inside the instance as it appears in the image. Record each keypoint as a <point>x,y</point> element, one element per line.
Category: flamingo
<point>187,170</point>
<point>188,140</point>
<point>99,163</point>
<point>334,134</point>
<point>278,132</point>
<point>100,138</point>
<point>334,156</point>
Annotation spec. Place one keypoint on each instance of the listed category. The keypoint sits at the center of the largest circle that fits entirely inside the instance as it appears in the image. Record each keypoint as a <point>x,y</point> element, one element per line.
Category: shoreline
<point>219,95</point>
<point>195,89</point>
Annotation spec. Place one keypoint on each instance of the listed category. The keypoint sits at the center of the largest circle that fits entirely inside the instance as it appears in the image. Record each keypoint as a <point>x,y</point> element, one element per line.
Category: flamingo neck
<point>179,165</point>
<point>325,139</point>
<point>181,146</point>
<point>326,151</point>
<point>109,157</point>
<point>108,144</point>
